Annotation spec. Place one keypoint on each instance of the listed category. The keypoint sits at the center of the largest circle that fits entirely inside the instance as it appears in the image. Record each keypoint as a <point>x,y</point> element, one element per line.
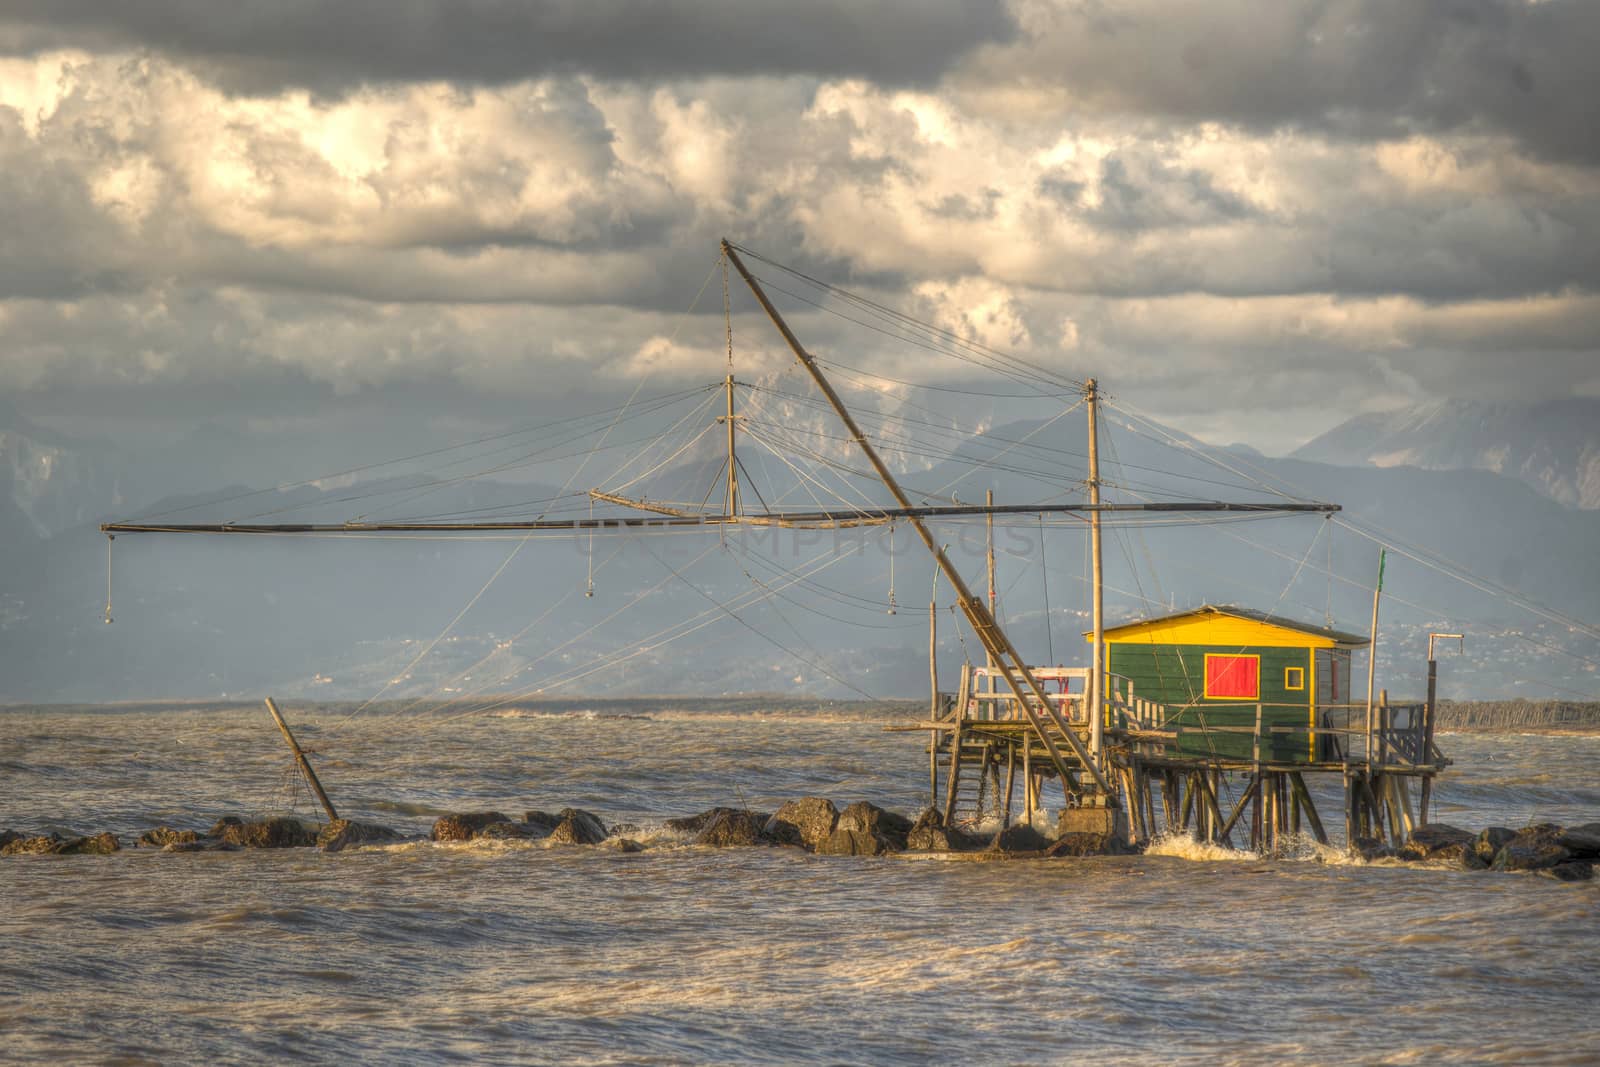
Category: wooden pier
<point>1226,781</point>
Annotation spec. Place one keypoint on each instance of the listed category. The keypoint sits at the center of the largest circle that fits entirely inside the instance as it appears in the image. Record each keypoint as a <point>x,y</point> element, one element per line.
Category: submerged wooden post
<point>300,758</point>
<point>1011,778</point>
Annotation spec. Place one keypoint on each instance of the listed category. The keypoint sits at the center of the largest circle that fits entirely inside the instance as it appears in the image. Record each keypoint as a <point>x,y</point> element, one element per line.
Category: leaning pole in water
<point>300,758</point>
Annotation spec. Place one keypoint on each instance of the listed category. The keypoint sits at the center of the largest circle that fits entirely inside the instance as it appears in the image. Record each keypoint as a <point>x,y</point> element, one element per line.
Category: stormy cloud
<point>505,207</point>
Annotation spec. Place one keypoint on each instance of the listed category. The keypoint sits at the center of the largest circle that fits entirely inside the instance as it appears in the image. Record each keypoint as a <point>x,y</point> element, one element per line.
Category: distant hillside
<point>1555,447</point>
<point>317,618</point>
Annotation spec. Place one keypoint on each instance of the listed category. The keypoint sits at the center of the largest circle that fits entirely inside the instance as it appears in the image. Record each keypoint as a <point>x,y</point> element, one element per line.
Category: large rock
<point>1491,841</point>
<point>1080,843</point>
<point>1532,849</point>
<point>464,826</point>
<point>578,827</point>
<point>346,833</point>
<point>1437,841</point>
<point>806,822</point>
<point>1582,840</point>
<point>734,829</point>
<point>276,832</point>
<point>864,817</point>
<point>29,846</point>
<point>220,827</point>
<point>1019,837</point>
<point>97,845</point>
<point>162,836</point>
<point>1371,848</point>
<point>930,834</point>
<point>693,824</point>
<point>844,842</point>
<point>542,820</point>
<point>1571,871</point>
<point>55,844</point>
<point>865,829</point>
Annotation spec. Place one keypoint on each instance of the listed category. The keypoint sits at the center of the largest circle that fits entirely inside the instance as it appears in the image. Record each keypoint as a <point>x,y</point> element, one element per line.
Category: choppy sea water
<point>521,953</point>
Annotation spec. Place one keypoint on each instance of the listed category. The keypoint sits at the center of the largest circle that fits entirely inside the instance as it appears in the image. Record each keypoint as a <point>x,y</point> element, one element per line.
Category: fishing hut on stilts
<point>1131,759</point>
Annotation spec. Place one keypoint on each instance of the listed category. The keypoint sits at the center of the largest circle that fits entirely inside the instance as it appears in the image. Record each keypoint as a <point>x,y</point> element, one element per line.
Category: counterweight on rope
<point>109,538</point>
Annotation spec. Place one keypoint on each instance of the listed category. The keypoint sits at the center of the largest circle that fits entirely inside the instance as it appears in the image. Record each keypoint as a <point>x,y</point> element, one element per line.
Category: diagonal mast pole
<point>1024,686</point>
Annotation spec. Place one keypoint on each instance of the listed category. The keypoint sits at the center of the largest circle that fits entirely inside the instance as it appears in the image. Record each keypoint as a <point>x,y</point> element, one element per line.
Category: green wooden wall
<point>1175,675</point>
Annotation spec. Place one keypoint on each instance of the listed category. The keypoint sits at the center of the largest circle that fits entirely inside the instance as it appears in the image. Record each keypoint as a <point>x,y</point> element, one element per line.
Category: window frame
<point>1206,679</point>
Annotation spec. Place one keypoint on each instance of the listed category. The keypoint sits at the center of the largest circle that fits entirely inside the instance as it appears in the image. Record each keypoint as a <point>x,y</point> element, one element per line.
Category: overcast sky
<point>1250,219</point>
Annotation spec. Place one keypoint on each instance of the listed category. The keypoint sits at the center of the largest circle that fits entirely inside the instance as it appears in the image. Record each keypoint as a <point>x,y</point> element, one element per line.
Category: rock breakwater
<point>815,824</point>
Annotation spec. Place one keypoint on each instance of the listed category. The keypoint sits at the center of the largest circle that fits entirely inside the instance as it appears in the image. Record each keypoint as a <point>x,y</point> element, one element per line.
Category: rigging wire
<point>929,329</point>
<point>363,468</point>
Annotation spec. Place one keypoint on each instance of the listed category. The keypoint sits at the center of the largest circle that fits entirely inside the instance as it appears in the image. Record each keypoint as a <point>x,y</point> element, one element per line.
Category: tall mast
<point>1097,672</point>
<point>1024,686</point>
<point>988,528</point>
<point>732,507</point>
<point>733,467</point>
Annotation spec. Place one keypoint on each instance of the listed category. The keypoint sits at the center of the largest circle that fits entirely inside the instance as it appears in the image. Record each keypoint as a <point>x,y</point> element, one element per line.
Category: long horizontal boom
<point>837,517</point>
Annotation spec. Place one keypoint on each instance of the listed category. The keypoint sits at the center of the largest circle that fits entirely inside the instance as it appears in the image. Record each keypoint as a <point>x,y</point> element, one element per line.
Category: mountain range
<point>319,618</point>
<point>1553,447</point>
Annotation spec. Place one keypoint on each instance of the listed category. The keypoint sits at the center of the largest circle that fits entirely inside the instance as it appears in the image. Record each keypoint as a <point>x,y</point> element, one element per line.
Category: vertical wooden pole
<point>1030,788</point>
<point>1372,653</point>
<point>1187,807</point>
<point>1349,810</point>
<point>953,775</point>
<point>988,528</point>
<point>1011,777</point>
<point>1097,674</point>
<point>300,758</point>
<point>933,690</point>
<point>733,469</point>
<point>1402,796</point>
<point>1150,803</point>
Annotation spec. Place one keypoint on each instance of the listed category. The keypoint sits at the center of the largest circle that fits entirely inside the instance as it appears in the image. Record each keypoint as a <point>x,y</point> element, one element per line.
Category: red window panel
<point>1233,677</point>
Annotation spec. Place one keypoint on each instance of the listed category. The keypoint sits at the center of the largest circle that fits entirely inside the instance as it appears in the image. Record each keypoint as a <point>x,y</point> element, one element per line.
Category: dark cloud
<point>1141,191</point>
<point>1356,68</point>
<point>252,48</point>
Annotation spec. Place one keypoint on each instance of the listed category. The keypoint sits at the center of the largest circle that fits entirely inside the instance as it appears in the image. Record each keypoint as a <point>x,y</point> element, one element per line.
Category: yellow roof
<point>1214,624</point>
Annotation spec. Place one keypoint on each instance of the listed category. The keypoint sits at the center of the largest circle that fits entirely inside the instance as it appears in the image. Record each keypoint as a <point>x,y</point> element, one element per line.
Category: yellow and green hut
<point>1218,665</point>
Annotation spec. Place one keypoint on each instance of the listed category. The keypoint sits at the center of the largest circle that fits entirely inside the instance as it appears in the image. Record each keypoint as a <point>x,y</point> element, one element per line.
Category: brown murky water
<point>520,953</point>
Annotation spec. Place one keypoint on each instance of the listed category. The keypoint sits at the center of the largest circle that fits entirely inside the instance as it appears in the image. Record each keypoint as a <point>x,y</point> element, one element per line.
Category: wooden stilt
<point>1349,810</point>
<point>1242,805</point>
<point>1030,788</point>
<point>1011,775</point>
<point>1298,783</point>
<point>1169,805</point>
<point>953,776</point>
<point>1294,810</point>
<point>1402,792</point>
<point>1131,806</point>
<point>1146,786</point>
<point>1255,835</point>
<point>1374,820</point>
